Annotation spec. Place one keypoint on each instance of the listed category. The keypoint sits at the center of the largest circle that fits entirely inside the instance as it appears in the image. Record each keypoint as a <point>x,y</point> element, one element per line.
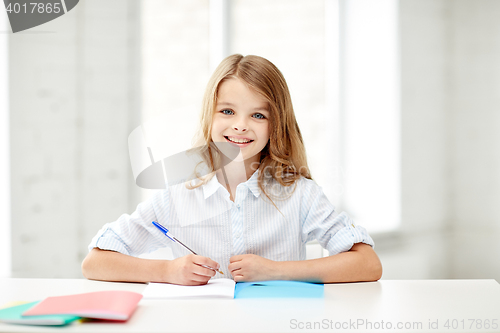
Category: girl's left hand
<point>251,267</point>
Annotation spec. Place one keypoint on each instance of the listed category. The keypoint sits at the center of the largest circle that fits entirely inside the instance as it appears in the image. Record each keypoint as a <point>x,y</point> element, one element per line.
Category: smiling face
<point>241,118</point>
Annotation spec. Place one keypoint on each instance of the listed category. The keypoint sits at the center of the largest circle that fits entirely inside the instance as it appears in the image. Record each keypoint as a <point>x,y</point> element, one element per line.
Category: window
<point>370,114</point>
<point>340,61</point>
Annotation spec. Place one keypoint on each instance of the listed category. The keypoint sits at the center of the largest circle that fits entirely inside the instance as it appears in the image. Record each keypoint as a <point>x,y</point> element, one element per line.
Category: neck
<point>235,173</point>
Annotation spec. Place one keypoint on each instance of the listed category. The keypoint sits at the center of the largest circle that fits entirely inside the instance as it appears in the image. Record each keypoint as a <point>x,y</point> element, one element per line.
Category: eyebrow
<point>232,105</point>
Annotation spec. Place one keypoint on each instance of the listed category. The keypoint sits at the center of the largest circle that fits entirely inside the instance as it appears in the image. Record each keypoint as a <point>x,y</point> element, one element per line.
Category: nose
<point>240,125</point>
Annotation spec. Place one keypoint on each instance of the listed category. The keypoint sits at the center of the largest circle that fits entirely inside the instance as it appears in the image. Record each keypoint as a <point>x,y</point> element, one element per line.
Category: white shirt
<point>212,225</point>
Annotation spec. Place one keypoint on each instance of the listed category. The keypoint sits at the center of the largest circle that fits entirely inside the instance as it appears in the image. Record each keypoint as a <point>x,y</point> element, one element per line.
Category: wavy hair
<point>284,157</point>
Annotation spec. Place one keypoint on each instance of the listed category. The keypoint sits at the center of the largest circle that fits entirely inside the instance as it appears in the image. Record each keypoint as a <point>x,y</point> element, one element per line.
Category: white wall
<point>5,225</point>
<point>74,91</point>
<point>475,150</point>
<point>420,249</point>
<point>450,142</point>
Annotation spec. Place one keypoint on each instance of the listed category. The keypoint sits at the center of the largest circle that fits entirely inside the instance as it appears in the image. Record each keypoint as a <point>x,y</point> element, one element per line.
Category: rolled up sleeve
<point>134,234</point>
<point>347,235</point>
<point>108,239</point>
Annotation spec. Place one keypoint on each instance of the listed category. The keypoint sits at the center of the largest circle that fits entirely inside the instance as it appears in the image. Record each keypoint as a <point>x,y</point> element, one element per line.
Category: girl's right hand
<point>189,270</point>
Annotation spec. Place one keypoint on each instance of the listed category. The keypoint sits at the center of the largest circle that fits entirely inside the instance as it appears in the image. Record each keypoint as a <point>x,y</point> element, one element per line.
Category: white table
<point>419,306</point>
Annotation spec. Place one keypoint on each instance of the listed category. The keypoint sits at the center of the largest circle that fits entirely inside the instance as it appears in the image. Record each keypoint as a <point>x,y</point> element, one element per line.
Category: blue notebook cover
<point>13,315</point>
<point>278,289</point>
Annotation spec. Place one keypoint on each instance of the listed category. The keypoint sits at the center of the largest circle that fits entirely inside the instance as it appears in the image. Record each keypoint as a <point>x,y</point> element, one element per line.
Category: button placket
<point>238,222</point>
<point>237,226</point>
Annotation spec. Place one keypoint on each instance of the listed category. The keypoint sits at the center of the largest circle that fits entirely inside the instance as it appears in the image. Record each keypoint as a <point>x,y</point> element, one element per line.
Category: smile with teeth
<point>236,140</point>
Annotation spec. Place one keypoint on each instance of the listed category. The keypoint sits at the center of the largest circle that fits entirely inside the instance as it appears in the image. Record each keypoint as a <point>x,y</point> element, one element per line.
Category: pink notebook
<point>110,305</point>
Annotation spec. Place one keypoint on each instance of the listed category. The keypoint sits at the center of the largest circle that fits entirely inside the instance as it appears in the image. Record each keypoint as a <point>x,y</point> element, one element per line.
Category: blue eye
<point>227,111</point>
<point>259,116</point>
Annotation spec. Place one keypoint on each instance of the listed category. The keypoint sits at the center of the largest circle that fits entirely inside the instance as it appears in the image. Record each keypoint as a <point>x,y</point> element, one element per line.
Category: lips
<point>237,140</point>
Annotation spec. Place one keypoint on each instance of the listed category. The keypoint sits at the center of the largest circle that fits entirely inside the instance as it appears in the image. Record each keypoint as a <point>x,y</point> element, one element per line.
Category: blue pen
<point>175,240</point>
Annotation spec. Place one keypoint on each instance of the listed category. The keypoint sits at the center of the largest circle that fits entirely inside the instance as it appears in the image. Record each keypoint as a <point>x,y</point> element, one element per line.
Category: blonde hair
<point>284,157</point>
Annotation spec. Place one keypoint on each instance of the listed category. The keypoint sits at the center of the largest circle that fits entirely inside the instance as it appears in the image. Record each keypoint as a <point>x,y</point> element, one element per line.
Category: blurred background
<point>398,102</point>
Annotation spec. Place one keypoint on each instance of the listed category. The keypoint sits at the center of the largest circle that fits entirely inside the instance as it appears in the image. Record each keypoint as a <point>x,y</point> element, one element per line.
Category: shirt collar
<point>253,184</point>
<point>213,185</point>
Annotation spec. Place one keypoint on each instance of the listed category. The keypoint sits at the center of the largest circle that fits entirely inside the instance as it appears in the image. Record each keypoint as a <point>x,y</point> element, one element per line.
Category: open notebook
<point>214,288</point>
<point>227,288</point>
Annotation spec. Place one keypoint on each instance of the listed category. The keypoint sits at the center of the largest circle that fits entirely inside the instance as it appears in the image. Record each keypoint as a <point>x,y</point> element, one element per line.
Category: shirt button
<point>238,235</point>
<point>238,205</point>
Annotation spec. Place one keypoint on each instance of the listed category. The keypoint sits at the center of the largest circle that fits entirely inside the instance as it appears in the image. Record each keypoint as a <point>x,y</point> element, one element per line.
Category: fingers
<point>192,279</point>
<point>202,271</point>
<point>196,279</point>
<point>190,270</point>
<point>204,261</point>
<point>235,268</point>
<point>238,275</point>
<point>239,278</point>
<point>236,271</point>
<point>236,263</point>
<point>237,258</point>
<point>250,267</point>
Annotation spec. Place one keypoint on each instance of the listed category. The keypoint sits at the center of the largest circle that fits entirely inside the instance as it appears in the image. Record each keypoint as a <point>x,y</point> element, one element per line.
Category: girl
<point>250,218</point>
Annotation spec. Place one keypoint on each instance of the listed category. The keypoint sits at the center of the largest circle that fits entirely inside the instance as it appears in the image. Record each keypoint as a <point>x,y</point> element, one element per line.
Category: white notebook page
<point>214,288</point>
